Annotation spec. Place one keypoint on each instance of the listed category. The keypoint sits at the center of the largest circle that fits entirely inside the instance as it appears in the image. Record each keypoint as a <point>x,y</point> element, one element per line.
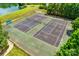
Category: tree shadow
<point>69,32</point>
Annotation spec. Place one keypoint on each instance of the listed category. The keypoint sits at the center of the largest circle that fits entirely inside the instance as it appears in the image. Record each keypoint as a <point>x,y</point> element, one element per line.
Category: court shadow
<point>69,32</point>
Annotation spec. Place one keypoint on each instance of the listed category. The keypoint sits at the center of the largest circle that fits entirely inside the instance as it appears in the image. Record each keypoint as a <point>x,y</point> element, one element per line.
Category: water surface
<point>4,11</point>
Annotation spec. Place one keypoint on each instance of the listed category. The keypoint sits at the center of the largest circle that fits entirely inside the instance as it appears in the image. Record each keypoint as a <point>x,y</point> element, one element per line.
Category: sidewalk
<point>9,49</point>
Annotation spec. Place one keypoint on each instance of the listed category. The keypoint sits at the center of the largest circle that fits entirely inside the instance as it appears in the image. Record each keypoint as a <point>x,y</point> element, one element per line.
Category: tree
<point>3,38</point>
<point>75,24</point>
<point>71,48</point>
<point>43,6</point>
<point>22,5</point>
<point>67,10</point>
<point>49,9</point>
<point>6,5</point>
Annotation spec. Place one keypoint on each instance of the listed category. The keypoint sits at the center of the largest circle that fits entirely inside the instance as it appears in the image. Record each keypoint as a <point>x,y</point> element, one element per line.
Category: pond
<point>4,11</point>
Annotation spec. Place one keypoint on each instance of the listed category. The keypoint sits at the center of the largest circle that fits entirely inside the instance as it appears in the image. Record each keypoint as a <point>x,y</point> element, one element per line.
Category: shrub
<point>75,24</point>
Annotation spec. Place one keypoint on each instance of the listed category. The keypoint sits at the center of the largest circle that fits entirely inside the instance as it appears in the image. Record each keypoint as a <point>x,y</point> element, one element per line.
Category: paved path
<point>10,48</point>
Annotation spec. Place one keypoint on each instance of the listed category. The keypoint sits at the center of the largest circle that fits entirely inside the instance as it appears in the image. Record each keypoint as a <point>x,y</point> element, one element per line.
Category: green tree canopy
<point>71,48</point>
<point>75,24</point>
<point>6,5</point>
<point>68,10</point>
<point>3,38</point>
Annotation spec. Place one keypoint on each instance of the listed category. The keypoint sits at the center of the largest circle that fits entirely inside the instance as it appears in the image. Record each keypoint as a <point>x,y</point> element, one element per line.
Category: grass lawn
<point>17,52</point>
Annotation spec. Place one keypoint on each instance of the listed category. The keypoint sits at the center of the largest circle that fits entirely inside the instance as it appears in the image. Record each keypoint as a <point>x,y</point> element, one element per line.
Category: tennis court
<point>29,23</point>
<point>52,32</point>
<point>38,35</point>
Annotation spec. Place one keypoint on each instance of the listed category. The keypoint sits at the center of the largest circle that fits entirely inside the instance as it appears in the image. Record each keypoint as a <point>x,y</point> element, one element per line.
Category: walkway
<point>10,48</point>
